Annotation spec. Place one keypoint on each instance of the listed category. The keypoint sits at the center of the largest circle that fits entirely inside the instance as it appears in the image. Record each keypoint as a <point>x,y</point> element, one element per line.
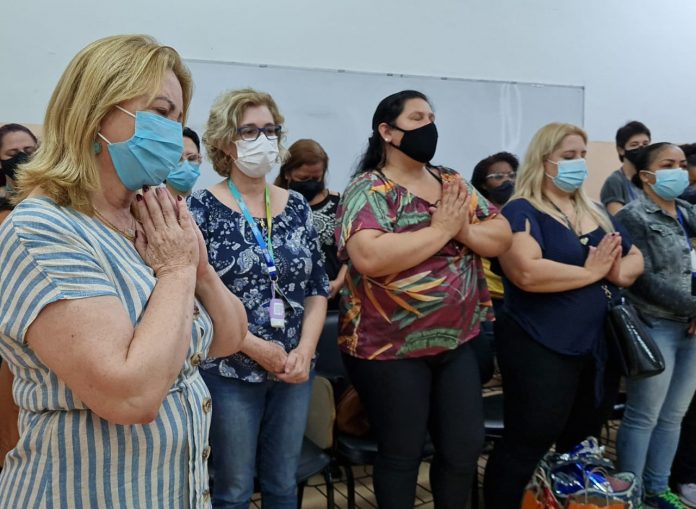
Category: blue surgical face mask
<point>571,174</point>
<point>669,184</point>
<point>151,154</point>
<point>184,176</point>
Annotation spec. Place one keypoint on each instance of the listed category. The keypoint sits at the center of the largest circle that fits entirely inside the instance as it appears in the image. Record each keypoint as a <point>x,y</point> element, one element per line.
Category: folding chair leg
<point>300,494</point>
<point>350,485</point>
<point>474,497</point>
<point>328,477</point>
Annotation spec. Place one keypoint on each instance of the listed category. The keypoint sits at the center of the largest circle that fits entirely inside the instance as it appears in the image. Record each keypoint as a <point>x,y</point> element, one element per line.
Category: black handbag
<point>630,343</point>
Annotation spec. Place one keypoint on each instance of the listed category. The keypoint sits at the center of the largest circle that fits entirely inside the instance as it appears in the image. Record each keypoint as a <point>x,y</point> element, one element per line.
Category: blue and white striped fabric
<point>67,456</point>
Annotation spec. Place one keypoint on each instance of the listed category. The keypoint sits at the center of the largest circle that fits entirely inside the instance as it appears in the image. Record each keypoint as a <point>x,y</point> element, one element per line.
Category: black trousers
<point>548,398</point>
<point>684,465</point>
<point>407,398</point>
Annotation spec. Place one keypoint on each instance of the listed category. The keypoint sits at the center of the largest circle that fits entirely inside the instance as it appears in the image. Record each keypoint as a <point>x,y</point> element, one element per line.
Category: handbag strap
<point>607,293</point>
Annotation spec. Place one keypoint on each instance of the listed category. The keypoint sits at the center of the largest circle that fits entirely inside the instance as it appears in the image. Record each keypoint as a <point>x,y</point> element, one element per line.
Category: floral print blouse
<point>238,260</point>
<point>427,309</point>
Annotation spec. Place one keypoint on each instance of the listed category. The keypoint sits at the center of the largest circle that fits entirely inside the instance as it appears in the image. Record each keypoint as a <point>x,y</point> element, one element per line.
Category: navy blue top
<point>237,258</point>
<point>569,322</point>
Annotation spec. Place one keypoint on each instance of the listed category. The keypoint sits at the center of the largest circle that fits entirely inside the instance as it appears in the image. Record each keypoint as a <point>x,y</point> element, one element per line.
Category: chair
<point>318,437</point>
<point>313,461</point>
<point>493,431</point>
<point>347,450</point>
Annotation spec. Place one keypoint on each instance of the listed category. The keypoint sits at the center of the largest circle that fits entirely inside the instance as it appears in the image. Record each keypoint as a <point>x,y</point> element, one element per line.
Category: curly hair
<point>478,177</point>
<point>225,116</point>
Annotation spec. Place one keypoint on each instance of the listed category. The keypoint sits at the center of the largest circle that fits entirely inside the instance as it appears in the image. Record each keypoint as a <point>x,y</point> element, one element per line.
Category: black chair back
<point>329,362</point>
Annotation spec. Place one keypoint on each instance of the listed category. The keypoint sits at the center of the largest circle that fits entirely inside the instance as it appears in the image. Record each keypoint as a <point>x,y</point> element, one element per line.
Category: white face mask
<point>256,158</point>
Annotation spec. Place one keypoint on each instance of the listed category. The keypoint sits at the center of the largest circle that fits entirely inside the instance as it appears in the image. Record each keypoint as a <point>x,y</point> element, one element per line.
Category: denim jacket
<point>664,289</point>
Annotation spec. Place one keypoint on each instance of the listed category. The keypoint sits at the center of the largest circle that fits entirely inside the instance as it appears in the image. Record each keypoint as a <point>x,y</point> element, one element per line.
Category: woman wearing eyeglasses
<point>494,177</point>
<point>549,338</point>
<point>181,179</point>
<point>263,245</point>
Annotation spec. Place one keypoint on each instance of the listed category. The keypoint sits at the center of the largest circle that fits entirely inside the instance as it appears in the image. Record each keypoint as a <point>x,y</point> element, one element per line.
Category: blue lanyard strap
<point>682,223</point>
<point>266,247</point>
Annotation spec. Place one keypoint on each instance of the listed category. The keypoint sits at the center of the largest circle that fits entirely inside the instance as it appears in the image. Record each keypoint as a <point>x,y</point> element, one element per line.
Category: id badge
<point>693,261</point>
<point>276,310</point>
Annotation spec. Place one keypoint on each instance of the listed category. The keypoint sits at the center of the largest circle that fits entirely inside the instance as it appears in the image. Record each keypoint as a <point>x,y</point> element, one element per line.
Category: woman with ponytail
<point>412,235</point>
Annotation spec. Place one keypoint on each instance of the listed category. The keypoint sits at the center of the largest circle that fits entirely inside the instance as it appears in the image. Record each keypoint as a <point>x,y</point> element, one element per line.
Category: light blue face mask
<point>670,184</point>
<point>151,154</point>
<point>571,174</point>
<point>184,176</point>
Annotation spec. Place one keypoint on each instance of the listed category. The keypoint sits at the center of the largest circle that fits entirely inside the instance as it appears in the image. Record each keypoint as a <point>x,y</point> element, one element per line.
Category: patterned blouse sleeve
<point>318,283</point>
<point>363,206</point>
<point>199,212</point>
<point>481,207</point>
<point>44,259</point>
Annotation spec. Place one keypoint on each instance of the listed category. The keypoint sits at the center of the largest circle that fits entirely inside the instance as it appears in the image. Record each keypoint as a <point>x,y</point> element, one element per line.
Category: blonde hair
<point>225,116</point>
<point>105,73</point>
<point>530,177</point>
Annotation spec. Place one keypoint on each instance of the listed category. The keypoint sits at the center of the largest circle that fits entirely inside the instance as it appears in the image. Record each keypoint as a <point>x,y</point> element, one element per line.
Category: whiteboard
<point>475,118</point>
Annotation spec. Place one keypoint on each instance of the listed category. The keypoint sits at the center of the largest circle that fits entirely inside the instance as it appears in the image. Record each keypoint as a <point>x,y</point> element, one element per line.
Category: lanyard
<point>567,219</point>
<point>266,247</point>
<point>682,223</point>
<point>628,185</point>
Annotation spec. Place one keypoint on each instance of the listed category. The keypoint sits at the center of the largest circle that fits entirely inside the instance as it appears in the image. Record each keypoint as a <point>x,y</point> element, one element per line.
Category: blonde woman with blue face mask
<point>262,243</point>
<point>664,228</point>
<point>550,342</point>
<point>105,317</point>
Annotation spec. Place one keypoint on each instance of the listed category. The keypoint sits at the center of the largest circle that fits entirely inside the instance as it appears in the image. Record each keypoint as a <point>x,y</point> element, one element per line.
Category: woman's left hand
<point>296,368</point>
<point>203,265</point>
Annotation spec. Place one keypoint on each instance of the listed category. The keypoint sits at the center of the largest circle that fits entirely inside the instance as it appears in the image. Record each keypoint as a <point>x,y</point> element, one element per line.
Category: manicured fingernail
<point>179,198</point>
<point>138,197</point>
<point>146,189</point>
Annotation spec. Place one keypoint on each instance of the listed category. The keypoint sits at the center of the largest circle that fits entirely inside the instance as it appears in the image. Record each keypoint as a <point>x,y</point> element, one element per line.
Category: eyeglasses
<point>499,177</point>
<point>252,133</point>
<point>192,158</point>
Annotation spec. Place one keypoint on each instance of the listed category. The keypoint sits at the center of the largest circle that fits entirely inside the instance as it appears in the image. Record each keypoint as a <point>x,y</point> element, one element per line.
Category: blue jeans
<point>649,433</point>
<point>256,430</point>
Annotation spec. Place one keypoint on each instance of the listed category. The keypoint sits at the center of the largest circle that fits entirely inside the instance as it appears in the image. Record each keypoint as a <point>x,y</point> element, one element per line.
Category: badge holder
<point>276,310</point>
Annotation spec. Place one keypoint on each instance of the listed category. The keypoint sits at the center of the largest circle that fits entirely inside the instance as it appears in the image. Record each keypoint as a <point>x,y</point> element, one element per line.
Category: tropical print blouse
<point>427,309</point>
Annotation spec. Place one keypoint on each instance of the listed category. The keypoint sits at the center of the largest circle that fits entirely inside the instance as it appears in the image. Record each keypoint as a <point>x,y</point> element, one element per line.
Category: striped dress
<point>68,457</point>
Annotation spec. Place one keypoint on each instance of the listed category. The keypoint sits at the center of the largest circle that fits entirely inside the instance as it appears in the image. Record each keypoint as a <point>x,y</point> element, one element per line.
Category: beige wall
<point>37,129</point>
<point>602,159</point>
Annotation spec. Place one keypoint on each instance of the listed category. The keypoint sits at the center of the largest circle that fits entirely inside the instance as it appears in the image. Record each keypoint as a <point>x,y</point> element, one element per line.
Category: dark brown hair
<point>301,152</point>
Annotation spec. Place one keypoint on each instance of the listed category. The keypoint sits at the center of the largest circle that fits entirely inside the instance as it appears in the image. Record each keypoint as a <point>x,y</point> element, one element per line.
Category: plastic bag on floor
<point>585,479</point>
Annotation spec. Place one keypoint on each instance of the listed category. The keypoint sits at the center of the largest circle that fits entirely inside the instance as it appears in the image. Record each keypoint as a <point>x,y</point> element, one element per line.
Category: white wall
<point>634,58</point>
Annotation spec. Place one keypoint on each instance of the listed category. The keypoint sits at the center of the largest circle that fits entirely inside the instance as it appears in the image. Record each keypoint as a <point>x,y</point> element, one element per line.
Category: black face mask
<point>9,166</point>
<point>307,188</point>
<point>501,194</point>
<point>419,144</point>
<point>633,155</point>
